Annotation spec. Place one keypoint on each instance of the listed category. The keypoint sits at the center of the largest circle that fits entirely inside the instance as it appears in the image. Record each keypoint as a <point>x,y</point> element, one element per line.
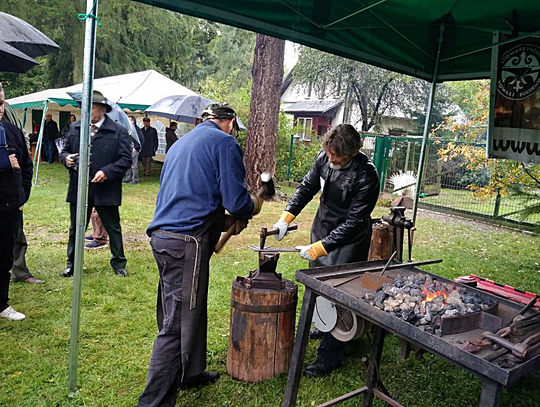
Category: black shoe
<point>67,272</point>
<point>89,237</point>
<point>314,333</point>
<point>318,369</point>
<point>206,377</point>
<point>121,272</point>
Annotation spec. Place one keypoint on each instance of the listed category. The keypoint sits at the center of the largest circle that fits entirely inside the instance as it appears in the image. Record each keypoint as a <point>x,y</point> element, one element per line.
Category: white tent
<point>134,91</point>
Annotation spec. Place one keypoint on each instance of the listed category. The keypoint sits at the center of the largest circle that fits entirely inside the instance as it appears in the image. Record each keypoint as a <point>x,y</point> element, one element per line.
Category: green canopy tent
<point>435,41</point>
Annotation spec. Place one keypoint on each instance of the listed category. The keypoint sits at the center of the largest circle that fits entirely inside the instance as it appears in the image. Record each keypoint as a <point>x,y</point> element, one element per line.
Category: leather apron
<point>336,198</point>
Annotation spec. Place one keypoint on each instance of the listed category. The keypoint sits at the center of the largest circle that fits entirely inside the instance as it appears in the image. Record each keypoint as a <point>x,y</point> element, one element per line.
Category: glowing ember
<point>431,295</point>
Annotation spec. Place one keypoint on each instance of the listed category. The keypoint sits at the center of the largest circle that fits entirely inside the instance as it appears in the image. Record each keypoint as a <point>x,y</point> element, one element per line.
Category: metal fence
<point>444,184</point>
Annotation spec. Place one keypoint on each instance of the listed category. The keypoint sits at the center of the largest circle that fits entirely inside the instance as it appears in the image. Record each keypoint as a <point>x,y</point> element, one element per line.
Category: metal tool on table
<point>266,191</point>
<point>266,277</point>
<point>374,281</point>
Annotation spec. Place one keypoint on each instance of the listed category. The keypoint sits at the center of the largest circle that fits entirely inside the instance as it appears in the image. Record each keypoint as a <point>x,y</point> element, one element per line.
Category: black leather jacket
<point>15,184</point>
<point>343,220</point>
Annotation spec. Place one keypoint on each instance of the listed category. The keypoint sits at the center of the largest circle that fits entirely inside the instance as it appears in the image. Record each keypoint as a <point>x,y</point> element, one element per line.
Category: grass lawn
<point>118,314</point>
<point>465,200</point>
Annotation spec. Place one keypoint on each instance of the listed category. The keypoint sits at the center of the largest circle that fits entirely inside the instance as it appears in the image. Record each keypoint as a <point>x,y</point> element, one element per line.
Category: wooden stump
<point>261,336</point>
<point>381,242</point>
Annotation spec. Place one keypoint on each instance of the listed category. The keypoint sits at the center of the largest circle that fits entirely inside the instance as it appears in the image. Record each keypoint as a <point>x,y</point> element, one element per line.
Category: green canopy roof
<point>400,35</point>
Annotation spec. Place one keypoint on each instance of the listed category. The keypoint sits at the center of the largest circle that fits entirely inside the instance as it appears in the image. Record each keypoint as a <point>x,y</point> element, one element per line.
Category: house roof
<point>286,82</point>
<point>312,106</point>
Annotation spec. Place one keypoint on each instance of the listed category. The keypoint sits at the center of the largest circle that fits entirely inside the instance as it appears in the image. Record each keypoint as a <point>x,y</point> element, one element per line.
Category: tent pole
<point>37,152</point>
<point>427,124</point>
<point>24,117</point>
<point>82,189</point>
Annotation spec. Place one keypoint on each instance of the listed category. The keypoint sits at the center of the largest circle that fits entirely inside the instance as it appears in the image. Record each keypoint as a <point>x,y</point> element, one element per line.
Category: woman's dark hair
<point>343,139</point>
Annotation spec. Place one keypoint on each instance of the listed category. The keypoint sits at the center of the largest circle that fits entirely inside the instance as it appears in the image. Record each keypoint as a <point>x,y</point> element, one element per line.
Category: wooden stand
<point>261,336</point>
<point>381,242</point>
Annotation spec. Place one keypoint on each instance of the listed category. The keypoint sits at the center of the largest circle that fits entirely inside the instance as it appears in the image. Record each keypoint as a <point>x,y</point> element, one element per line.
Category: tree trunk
<point>261,142</point>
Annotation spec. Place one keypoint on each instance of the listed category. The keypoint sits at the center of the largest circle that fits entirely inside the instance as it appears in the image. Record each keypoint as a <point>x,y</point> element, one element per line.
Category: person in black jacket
<point>341,231</point>
<point>149,147</point>
<point>50,134</point>
<point>110,159</point>
<point>15,184</point>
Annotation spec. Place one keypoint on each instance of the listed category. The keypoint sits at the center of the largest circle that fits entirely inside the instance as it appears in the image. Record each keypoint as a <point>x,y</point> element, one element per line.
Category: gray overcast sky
<point>291,55</point>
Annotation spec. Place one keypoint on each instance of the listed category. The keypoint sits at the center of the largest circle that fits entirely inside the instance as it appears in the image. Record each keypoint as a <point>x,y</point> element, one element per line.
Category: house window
<point>305,125</point>
<point>321,130</point>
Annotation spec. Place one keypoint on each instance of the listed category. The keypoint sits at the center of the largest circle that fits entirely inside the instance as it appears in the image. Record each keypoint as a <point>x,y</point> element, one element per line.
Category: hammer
<point>266,191</point>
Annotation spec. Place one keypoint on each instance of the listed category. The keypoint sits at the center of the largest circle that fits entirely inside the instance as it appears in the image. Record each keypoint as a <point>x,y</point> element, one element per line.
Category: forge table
<point>333,283</point>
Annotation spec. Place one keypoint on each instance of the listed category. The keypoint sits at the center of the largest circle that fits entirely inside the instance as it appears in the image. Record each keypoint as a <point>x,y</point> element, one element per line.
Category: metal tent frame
<point>302,23</point>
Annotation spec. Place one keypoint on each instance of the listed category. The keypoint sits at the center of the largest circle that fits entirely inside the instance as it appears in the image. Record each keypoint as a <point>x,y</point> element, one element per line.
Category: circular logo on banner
<point>519,70</point>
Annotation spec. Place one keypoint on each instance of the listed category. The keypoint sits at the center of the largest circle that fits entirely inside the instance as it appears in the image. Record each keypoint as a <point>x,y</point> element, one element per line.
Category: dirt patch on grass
<point>460,220</point>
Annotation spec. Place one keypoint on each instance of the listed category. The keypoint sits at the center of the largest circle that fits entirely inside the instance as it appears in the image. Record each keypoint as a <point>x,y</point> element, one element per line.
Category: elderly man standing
<point>50,133</point>
<point>150,146</point>
<point>202,176</point>
<point>170,136</point>
<point>15,184</point>
<point>110,159</point>
<point>341,231</point>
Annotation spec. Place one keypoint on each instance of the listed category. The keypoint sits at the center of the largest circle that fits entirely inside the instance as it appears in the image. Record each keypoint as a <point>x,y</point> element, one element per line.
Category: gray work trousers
<point>19,270</point>
<point>132,173</point>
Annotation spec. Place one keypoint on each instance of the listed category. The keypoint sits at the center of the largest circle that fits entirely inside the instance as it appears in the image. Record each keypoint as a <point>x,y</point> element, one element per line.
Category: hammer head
<point>267,189</point>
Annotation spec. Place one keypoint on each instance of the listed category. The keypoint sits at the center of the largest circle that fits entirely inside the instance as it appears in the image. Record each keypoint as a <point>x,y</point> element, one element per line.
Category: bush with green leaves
<point>303,153</point>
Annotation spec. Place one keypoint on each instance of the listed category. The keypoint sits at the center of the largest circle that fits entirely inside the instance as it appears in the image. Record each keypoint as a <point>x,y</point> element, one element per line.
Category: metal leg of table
<point>374,363</point>
<point>491,394</point>
<point>299,349</point>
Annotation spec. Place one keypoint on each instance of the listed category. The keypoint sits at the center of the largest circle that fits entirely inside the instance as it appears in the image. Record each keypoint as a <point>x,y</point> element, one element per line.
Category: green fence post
<point>380,157</point>
<point>290,158</point>
<point>497,204</point>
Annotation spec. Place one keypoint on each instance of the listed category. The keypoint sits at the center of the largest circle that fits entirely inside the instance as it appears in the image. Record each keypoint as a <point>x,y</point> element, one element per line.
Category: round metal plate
<point>324,315</point>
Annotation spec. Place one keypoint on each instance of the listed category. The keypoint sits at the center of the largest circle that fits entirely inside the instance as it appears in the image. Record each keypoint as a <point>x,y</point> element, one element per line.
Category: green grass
<point>465,200</point>
<point>118,315</point>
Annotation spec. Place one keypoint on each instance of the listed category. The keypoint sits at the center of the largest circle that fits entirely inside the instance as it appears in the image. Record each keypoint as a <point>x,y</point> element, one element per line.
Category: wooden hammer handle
<point>276,231</point>
<point>225,238</point>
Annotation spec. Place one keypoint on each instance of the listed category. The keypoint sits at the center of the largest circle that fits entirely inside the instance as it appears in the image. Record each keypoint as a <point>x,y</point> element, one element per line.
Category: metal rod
<point>37,152</point>
<point>290,158</point>
<point>426,126</point>
<point>300,14</point>
<point>82,190</point>
<point>345,273</point>
<point>388,263</point>
<point>355,13</point>
<point>507,41</point>
<point>401,34</point>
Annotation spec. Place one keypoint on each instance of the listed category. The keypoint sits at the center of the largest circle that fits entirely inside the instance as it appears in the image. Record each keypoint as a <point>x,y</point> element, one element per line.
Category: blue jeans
<point>49,146</point>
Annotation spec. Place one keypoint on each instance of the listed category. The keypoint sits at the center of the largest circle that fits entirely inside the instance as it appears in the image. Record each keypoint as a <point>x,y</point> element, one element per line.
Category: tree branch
<point>529,174</point>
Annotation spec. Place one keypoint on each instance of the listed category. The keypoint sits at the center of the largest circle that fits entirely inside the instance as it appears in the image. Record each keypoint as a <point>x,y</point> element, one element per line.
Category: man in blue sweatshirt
<point>202,176</point>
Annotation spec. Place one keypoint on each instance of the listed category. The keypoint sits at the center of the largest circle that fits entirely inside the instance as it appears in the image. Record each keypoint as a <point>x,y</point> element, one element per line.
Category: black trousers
<point>9,223</point>
<point>110,217</point>
<point>20,270</point>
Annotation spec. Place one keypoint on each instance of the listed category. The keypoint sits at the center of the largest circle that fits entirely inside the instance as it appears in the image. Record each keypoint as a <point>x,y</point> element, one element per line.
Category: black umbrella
<point>24,37</point>
<point>13,60</point>
<point>183,108</point>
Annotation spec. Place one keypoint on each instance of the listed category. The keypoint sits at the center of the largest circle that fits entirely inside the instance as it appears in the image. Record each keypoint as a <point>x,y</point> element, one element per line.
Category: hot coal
<point>423,301</point>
